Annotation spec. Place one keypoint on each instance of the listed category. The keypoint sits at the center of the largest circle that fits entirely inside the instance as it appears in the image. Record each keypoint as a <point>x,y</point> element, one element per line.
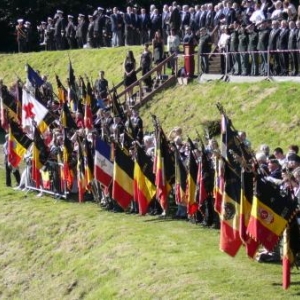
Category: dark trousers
<point>8,171</point>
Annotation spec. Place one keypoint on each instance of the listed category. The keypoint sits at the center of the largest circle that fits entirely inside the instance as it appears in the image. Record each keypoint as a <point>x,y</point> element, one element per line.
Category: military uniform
<point>235,56</point>
<point>205,43</point>
<point>243,47</point>
<point>252,48</point>
<point>262,45</point>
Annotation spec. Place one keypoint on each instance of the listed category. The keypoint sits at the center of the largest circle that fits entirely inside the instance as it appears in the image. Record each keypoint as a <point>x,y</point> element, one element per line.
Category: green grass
<point>65,250</point>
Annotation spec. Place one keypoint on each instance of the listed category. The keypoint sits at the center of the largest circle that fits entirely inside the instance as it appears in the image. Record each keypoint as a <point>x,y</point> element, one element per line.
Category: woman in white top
<point>173,43</point>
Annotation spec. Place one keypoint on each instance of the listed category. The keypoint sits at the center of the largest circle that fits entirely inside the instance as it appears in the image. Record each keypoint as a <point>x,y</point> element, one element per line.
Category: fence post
<point>268,63</point>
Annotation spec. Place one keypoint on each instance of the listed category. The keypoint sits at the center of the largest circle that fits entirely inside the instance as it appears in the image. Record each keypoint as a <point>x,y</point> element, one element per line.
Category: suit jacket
<point>292,43</point>
<point>156,23</point>
<point>263,39</point>
<point>145,23</point>
<point>175,20</point>
<point>116,20</point>
<point>274,33</point>
<point>209,20</point>
<point>202,19</point>
<point>185,21</point>
<point>283,38</point>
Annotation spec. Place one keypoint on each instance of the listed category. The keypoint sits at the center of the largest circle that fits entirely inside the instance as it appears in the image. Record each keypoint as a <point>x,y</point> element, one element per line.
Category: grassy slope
<point>267,111</point>
<point>55,250</point>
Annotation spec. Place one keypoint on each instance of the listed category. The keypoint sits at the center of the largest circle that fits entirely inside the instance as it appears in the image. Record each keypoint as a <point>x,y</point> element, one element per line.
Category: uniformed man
<point>59,30</point>
<point>71,32</point>
<point>233,48</point>
<point>252,48</point>
<point>21,33</point>
<point>81,31</point>
<point>292,45</point>
<point>262,47</point>
<point>99,24</point>
<point>49,35</point>
<point>243,47</point>
<point>204,49</point>
<point>90,41</point>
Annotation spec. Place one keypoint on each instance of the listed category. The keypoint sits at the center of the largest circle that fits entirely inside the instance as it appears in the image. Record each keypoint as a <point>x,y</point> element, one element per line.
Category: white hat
<point>90,16</point>
<point>20,21</point>
<point>27,23</point>
<point>59,12</point>
<point>70,17</point>
<point>100,8</point>
<point>81,15</point>
<point>49,19</point>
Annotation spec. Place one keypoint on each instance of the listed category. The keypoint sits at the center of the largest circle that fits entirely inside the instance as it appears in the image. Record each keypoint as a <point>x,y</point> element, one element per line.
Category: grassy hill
<point>53,249</point>
<point>267,111</point>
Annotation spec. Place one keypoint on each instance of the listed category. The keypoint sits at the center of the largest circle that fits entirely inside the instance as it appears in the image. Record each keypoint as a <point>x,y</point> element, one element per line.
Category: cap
<point>90,16</point>
<point>49,19</point>
<point>27,23</point>
<point>43,22</point>
<point>81,15</point>
<point>59,12</point>
<point>100,8</point>
<point>70,17</point>
<point>20,21</point>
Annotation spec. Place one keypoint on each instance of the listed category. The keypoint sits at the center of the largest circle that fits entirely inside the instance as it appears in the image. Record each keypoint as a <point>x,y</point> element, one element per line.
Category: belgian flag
<point>88,116</point>
<point>18,143</point>
<point>66,118</point>
<point>247,180</point>
<point>61,91</point>
<point>9,102</point>
<point>81,182</point>
<point>88,164</point>
<point>230,240</point>
<point>272,209</point>
<point>117,110</point>
<point>164,169</point>
<point>180,179</point>
<point>219,184</point>
<point>39,157</point>
<point>191,189</point>
<point>122,190</point>
<point>144,180</point>
<point>67,172</point>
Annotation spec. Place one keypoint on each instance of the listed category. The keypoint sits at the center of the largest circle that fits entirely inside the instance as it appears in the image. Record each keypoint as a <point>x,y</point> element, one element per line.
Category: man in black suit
<point>144,26</point>
<point>129,26</point>
<point>202,17</point>
<point>175,19</point>
<point>209,19</point>
<point>282,44</point>
<point>165,19</point>
<point>185,19</point>
<point>117,23</point>
<point>156,23</point>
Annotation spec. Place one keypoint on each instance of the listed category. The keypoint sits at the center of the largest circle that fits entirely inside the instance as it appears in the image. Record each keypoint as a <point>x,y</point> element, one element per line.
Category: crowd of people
<point>82,114</point>
<point>254,37</point>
